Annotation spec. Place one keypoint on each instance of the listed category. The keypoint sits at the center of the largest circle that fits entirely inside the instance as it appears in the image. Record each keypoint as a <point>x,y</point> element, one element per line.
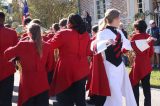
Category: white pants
<point>119,85</point>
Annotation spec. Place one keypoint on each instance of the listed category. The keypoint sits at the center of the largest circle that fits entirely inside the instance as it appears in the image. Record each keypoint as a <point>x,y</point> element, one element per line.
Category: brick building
<point>128,8</point>
<point>97,8</point>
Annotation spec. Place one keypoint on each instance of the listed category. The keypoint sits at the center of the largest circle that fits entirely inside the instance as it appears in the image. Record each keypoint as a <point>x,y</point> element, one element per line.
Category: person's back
<point>73,51</point>
<point>141,68</point>
<point>75,44</point>
<point>8,38</point>
<point>34,57</point>
<point>147,54</point>
<point>72,67</point>
<point>29,57</point>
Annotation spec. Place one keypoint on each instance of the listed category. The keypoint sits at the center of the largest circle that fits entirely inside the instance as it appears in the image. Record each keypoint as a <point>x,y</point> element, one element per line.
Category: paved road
<point>155,95</point>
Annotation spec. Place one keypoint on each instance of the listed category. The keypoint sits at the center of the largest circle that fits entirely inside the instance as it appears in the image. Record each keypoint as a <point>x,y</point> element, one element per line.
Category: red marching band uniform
<point>71,52</point>
<point>8,38</point>
<point>48,37</point>
<point>98,81</point>
<point>33,78</point>
<point>142,65</point>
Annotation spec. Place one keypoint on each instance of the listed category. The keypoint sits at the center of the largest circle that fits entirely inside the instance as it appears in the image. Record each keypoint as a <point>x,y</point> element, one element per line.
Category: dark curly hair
<point>140,25</point>
<point>77,23</point>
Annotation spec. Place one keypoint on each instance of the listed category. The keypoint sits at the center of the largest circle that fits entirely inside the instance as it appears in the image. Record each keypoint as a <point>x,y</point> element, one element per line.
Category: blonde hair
<point>110,15</point>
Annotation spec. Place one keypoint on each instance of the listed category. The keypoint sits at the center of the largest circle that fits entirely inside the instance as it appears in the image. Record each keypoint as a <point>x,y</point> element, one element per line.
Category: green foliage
<point>17,11</point>
<point>130,28</point>
<point>51,11</point>
<point>155,78</point>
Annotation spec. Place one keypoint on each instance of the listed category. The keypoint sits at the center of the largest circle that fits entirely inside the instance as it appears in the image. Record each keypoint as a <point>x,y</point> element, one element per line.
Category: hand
<point>150,39</point>
<point>111,42</point>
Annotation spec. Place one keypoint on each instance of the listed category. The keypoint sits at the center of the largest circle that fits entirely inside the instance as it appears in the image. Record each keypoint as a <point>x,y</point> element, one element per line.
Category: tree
<point>16,11</point>
<point>51,11</point>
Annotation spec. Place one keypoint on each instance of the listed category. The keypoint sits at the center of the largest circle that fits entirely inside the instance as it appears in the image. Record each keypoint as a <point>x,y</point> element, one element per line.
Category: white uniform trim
<point>118,77</point>
<point>142,45</point>
<point>106,34</point>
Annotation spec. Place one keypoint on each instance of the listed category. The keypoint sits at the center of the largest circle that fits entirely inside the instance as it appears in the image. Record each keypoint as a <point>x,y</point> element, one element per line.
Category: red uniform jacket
<point>8,38</point>
<point>142,65</point>
<point>73,63</point>
<point>33,78</point>
<point>48,37</point>
<point>98,81</point>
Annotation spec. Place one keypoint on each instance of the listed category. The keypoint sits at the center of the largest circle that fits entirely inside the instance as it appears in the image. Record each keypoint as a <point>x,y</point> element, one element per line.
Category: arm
<point>141,45</point>
<point>12,52</point>
<point>100,43</point>
<point>57,41</point>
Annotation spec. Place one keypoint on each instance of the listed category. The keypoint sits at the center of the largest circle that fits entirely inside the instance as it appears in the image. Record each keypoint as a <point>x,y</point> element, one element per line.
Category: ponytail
<point>110,15</point>
<point>35,31</point>
<point>102,24</point>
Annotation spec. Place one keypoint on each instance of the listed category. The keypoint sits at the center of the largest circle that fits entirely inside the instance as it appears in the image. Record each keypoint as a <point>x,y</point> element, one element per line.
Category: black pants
<point>146,90</point>
<point>6,90</point>
<point>98,100</point>
<point>75,94</point>
<point>39,100</point>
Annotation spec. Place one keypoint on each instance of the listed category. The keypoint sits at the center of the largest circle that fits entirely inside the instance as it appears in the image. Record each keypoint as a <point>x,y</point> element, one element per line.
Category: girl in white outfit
<point>109,42</point>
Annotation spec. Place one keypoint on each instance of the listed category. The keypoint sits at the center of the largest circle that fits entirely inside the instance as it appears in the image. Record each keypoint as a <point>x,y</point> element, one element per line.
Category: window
<point>100,8</point>
<point>140,6</point>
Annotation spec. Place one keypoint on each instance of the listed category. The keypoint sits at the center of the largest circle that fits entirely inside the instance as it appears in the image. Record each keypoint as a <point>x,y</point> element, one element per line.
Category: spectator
<point>154,32</point>
<point>88,21</point>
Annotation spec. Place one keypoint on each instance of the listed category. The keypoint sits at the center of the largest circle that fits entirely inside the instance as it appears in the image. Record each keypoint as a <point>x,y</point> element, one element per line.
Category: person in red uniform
<point>142,67</point>
<point>8,38</point>
<point>34,55</point>
<point>63,23</point>
<point>54,29</point>
<point>26,22</point>
<point>72,67</point>
<point>96,96</point>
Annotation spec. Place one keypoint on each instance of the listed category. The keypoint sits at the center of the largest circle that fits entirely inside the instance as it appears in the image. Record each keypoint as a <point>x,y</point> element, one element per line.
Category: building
<point>151,9</point>
<point>128,8</point>
<point>97,8</point>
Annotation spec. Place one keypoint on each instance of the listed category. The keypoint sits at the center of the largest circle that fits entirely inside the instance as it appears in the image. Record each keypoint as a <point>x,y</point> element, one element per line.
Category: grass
<point>155,78</point>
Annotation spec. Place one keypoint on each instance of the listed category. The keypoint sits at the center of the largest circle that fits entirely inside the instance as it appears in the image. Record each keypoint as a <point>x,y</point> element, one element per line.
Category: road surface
<point>155,95</point>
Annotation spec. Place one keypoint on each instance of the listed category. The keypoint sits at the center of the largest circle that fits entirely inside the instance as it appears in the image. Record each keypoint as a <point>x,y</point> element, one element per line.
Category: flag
<point>25,11</point>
